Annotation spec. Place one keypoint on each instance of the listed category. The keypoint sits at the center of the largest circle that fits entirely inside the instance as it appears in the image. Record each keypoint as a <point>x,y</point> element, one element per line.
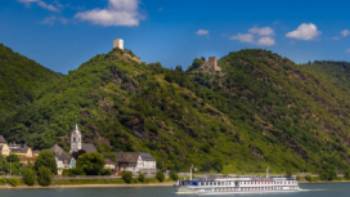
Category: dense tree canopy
<point>91,164</point>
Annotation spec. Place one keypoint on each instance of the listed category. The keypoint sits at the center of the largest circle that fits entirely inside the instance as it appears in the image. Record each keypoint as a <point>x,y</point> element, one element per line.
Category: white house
<point>136,163</point>
<point>62,159</point>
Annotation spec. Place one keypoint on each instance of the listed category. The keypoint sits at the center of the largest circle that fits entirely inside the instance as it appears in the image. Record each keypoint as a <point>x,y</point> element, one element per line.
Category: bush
<point>12,181</point>
<point>127,177</point>
<point>174,176</point>
<point>141,178</point>
<point>28,176</point>
<point>308,178</point>
<point>44,176</point>
<point>160,176</point>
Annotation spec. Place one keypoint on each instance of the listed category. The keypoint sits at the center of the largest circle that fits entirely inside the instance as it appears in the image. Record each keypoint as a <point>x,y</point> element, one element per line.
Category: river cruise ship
<point>231,185</point>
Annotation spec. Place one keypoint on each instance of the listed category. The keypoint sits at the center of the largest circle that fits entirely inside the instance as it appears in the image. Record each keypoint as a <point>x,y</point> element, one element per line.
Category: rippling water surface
<point>310,190</point>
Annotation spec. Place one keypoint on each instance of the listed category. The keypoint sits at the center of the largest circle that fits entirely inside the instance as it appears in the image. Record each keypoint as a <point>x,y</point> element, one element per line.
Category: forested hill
<point>261,110</point>
<point>21,79</point>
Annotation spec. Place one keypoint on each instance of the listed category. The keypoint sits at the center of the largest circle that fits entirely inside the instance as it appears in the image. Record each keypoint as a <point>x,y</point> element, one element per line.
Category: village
<point>135,162</point>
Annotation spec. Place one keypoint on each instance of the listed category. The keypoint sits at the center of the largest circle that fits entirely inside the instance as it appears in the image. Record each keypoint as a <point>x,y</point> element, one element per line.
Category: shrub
<point>127,177</point>
<point>44,176</point>
<point>12,181</point>
<point>308,178</point>
<point>174,176</point>
<point>28,176</point>
<point>141,178</point>
<point>160,176</point>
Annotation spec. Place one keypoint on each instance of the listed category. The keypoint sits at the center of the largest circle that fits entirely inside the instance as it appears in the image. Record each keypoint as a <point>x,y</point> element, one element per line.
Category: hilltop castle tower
<point>118,44</point>
<point>75,140</point>
<point>211,65</point>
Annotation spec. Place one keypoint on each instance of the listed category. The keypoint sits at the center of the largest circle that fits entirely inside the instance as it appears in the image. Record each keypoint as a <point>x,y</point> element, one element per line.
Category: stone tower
<point>118,44</point>
<point>75,140</point>
<point>211,65</point>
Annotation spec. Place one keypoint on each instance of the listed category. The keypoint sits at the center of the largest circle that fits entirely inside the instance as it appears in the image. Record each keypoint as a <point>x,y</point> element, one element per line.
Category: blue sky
<point>62,34</point>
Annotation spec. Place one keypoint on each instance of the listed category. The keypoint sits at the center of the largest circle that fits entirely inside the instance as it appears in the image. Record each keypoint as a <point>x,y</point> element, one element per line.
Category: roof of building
<point>88,148</point>
<point>109,162</point>
<point>131,157</point>
<point>2,140</point>
<point>16,148</point>
<point>60,154</point>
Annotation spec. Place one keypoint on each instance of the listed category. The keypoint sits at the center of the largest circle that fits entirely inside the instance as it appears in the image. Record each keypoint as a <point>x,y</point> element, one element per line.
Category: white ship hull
<point>246,185</point>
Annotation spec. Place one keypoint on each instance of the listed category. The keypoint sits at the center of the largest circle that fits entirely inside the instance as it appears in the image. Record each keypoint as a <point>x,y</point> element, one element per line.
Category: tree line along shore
<point>32,179</point>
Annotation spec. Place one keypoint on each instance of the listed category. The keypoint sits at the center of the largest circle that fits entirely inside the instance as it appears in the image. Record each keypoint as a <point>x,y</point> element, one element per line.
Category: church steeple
<point>75,140</point>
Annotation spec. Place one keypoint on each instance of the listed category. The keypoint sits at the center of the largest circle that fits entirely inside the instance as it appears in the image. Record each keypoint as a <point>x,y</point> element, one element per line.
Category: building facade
<point>136,163</point>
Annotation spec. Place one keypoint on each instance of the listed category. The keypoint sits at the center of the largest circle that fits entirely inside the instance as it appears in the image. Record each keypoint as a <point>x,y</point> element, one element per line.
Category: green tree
<point>4,166</point>
<point>91,164</point>
<point>197,62</point>
<point>12,158</point>
<point>328,174</point>
<point>347,175</point>
<point>44,176</point>
<point>174,176</point>
<point>28,176</point>
<point>160,176</point>
<point>141,178</point>
<point>127,177</point>
<point>46,159</point>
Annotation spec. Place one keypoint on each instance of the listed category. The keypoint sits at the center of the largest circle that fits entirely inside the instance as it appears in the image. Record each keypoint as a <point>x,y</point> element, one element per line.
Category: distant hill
<point>21,80</point>
<point>261,110</point>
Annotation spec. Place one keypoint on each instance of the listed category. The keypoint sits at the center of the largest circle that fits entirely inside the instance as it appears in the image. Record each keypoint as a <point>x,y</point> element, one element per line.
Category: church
<point>135,162</point>
<point>66,161</point>
<point>77,145</point>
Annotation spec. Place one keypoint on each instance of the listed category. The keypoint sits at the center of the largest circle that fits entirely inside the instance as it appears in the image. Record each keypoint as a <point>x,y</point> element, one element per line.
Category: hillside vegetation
<point>261,110</point>
<point>21,80</point>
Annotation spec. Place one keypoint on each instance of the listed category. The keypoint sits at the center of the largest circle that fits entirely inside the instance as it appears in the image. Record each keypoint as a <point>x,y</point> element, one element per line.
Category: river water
<point>311,190</point>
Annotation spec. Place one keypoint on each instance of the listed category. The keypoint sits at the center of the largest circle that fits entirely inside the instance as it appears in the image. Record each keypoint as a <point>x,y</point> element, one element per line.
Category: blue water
<point>311,190</point>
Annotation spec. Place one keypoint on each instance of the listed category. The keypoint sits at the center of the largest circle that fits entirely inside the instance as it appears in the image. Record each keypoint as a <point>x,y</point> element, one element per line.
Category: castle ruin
<point>211,65</point>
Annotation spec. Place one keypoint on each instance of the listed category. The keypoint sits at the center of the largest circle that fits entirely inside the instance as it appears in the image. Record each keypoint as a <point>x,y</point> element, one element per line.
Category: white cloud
<point>266,41</point>
<point>262,31</point>
<point>118,13</point>
<point>347,51</point>
<point>262,36</point>
<point>305,31</point>
<point>202,32</point>
<point>52,20</point>
<point>345,33</point>
<point>42,4</point>
<point>247,38</point>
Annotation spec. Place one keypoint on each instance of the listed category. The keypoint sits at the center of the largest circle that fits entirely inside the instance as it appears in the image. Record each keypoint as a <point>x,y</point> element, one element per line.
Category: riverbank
<point>77,186</point>
<point>90,182</point>
<point>85,182</point>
